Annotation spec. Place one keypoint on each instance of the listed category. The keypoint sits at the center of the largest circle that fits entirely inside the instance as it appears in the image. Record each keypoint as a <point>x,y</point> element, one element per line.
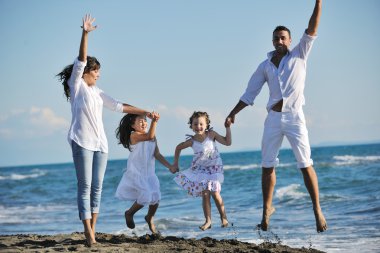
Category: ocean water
<point>41,199</point>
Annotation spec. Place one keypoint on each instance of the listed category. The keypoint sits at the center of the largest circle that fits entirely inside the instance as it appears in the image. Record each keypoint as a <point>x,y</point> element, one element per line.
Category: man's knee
<point>267,171</point>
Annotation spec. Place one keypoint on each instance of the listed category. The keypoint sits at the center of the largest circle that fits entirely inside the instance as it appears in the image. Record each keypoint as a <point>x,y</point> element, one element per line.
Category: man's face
<point>281,41</point>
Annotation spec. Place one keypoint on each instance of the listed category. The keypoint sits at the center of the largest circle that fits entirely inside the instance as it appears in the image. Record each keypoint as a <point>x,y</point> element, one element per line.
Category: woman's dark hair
<point>65,74</point>
<point>198,115</point>
<point>123,132</point>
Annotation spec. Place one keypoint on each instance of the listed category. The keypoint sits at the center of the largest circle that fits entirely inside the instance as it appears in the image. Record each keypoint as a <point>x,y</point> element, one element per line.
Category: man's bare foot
<point>151,225</point>
<point>129,220</point>
<point>206,226</point>
<point>320,221</point>
<point>224,222</point>
<point>266,217</point>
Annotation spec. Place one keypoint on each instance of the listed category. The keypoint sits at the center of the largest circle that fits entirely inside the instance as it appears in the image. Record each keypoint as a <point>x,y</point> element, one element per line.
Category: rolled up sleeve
<point>255,85</point>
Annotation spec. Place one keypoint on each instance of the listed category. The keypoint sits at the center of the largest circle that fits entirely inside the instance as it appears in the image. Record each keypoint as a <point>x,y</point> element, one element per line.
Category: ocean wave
<point>34,174</point>
<point>291,191</point>
<point>350,159</point>
<point>30,214</point>
<point>253,166</point>
<point>241,167</point>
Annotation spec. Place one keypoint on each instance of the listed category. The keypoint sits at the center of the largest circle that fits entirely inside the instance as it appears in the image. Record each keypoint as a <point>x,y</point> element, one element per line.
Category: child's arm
<point>225,140</point>
<point>150,135</point>
<point>178,150</point>
<point>163,161</point>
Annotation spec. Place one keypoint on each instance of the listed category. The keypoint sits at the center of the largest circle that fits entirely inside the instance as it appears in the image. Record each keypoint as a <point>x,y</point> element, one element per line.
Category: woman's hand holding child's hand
<point>155,116</point>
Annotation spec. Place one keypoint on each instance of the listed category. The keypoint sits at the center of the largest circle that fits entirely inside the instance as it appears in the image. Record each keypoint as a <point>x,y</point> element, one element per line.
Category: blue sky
<point>179,56</point>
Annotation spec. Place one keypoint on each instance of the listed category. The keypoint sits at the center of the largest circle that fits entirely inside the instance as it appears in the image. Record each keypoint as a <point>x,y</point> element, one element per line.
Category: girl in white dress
<point>205,176</point>
<point>139,182</point>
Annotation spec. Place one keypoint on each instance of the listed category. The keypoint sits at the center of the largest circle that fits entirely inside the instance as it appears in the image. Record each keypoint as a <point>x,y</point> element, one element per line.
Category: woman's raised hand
<point>88,23</point>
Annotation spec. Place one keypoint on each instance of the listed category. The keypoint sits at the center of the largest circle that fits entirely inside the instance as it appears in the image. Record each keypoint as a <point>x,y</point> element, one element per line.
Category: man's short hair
<point>282,28</point>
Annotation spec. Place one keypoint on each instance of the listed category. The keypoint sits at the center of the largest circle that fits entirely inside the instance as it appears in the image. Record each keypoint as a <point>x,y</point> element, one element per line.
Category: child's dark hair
<point>198,115</point>
<point>123,132</point>
<point>65,74</point>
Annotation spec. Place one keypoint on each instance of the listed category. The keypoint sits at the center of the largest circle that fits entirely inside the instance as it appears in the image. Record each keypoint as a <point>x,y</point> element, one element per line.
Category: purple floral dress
<point>206,171</point>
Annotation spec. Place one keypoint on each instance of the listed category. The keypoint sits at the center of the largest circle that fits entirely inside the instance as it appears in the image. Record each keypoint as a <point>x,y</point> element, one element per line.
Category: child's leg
<point>129,214</point>
<point>149,217</point>
<point>220,205</point>
<point>206,204</point>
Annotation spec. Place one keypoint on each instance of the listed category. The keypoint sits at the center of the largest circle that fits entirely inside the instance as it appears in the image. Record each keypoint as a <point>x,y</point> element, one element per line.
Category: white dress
<point>139,182</point>
<point>206,171</point>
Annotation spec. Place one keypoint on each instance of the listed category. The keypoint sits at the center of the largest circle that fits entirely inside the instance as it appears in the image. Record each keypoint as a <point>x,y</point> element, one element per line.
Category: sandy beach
<point>120,243</point>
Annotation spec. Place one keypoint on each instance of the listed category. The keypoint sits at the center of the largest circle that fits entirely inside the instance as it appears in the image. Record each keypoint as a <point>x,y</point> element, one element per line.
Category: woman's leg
<point>83,166</point>
<point>206,204</point>
<point>220,205</point>
<point>149,217</point>
<point>98,169</point>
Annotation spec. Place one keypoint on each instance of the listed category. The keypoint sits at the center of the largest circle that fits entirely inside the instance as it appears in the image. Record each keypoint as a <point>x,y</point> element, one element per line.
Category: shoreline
<point>121,243</point>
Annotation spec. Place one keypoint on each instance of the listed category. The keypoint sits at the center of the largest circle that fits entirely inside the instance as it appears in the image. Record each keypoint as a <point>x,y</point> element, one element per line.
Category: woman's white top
<point>87,103</point>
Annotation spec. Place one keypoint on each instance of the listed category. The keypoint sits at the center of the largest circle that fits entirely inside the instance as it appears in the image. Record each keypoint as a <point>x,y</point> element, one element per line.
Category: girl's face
<point>140,124</point>
<point>199,125</point>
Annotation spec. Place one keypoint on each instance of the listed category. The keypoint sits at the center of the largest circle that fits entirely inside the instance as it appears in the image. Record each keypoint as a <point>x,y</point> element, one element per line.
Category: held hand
<point>173,169</point>
<point>87,23</point>
<point>155,116</point>
<point>229,120</point>
<point>149,115</point>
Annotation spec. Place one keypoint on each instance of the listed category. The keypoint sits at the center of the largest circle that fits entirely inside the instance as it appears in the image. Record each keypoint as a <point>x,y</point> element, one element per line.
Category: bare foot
<point>206,226</point>
<point>224,222</point>
<point>151,225</point>
<point>320,221</point>
<point>266,217</point>
<point>90,240</point>
<point>129,220</point>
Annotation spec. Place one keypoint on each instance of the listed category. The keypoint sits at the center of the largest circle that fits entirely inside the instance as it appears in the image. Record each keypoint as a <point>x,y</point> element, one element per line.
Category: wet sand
<point>121,243</point>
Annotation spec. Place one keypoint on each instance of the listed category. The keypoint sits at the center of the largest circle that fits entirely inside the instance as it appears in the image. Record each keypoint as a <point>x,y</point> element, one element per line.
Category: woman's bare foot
<point>320,221</point>
<point>151,225</point>
<point>90,239</point>
<point>266,217</point>
<point>206,225</point>
<point>129,220</point>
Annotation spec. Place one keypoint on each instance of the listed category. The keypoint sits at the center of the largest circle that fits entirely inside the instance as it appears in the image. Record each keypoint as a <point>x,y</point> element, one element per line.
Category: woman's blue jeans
<point>90,167</point>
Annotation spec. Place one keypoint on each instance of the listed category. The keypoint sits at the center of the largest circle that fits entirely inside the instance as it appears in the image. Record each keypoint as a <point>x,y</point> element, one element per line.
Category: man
<point>284,71</point>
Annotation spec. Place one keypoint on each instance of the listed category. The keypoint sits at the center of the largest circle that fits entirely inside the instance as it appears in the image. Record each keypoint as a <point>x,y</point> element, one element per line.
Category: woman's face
<point>91,77</point>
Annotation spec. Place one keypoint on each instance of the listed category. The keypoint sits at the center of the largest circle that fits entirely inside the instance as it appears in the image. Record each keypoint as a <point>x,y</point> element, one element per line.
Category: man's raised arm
<point>314,19</point>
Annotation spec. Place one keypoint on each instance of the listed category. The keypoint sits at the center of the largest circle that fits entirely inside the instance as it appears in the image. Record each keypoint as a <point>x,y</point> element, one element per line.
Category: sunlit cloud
<point>31,123</point>
<point>45,118</point>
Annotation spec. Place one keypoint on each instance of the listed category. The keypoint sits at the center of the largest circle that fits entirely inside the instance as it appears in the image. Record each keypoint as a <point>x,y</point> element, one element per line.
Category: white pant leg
<point>272,140</point>
<point>294,128</point>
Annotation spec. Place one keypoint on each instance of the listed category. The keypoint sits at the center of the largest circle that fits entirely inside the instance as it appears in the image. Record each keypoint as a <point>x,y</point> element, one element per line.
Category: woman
<point>86,135</point>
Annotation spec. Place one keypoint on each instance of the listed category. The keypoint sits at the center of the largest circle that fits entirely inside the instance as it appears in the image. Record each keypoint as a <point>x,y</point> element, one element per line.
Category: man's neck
<point>277,57</point>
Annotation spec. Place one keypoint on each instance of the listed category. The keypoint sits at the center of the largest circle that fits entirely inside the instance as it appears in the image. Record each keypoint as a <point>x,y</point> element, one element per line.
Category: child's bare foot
<point>151,225</point>
<point>206,226</point>
<point>320,221</point>
<point>266,217</point>
<point>129,220</point>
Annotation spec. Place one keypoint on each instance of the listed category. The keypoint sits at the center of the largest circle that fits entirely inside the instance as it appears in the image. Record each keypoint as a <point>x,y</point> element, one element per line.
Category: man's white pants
<point>293,126</point>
